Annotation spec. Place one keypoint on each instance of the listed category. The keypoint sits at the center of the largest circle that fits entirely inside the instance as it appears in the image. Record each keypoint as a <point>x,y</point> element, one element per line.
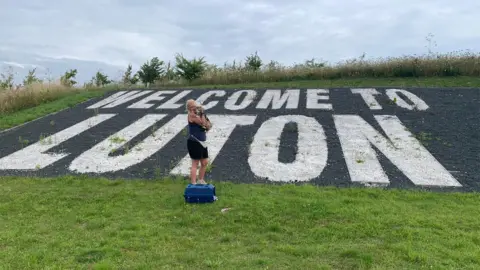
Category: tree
<point>170,72</point>
<point>127,78</point>
<point>31,78</point>
<point>253,62</point>
<point>190,70</point>
<point>68,78</point>
<point>6,81</point>
<point>151,71</point>
<point>100,79</point>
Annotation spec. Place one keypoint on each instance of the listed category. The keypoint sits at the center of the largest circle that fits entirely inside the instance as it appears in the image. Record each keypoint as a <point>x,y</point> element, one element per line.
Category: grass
<point>69,222</point>
<point>27,106</point>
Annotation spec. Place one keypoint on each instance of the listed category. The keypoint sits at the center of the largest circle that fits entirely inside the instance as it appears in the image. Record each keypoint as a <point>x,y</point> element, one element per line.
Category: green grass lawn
<point>70,223</point>
<point>17,118</point>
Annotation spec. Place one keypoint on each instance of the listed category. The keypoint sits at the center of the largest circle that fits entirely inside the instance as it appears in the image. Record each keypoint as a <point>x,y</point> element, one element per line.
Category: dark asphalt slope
<point>449,130</point>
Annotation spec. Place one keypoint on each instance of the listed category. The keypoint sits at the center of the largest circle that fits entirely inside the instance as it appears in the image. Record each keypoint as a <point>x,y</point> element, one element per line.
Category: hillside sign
<point>357,135</point>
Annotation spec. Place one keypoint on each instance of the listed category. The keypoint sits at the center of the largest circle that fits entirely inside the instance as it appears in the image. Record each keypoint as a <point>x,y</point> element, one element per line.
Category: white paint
<point>418,103</point>
<point>119,98</point>
<point>97,159</point>
<point>201,99</point>
<point>223,126</point>
<point>275,97</point>
<point>368,96</point>
<point>315,95</point>
<point>401,148</point>
<point>311,155</point>
<point>34,156</point>
<point>157,96</point>
<point>171,103</point>
<point>230,103</point>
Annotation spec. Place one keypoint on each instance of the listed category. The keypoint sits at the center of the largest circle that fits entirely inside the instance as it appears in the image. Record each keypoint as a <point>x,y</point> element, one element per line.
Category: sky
<point>107,35</point>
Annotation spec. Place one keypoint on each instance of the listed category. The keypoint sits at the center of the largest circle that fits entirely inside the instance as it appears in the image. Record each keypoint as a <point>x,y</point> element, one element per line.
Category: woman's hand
<point>206,122</point>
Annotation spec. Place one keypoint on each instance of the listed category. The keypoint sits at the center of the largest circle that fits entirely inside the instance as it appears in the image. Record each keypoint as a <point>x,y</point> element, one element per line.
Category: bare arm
<point>207,123</point>
<point>192,117</point>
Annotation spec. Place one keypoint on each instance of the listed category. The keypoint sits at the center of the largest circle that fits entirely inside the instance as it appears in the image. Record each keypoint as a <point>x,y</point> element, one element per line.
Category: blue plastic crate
<point>200,193</point>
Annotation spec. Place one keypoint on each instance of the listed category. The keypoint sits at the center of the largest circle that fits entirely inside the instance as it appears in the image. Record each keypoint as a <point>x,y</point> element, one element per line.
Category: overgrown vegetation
<point>197,71</point>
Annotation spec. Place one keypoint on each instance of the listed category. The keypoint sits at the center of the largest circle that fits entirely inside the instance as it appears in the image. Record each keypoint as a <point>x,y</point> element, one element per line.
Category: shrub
<point>189,69</point>
<point>151,71</point>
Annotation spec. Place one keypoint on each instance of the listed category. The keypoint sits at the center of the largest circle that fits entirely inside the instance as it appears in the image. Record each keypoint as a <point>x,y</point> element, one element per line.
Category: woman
<point>198,125</point>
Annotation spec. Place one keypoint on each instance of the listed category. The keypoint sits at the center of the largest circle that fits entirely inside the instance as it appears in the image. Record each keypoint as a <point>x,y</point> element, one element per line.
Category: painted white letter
<point>368,96</point>
<point>311,156</point>
<point>97,159</point>
<point>275,97</point>
<point>418,103</point>
<point>401,148</point>
<point>157,96</point>
<point>119,98</point>
<point>223,126</point>
<point>314,95</point>
<point>201,99</point>
<point>170,104</point>
<point>34,156</point>
<point>230,103</point>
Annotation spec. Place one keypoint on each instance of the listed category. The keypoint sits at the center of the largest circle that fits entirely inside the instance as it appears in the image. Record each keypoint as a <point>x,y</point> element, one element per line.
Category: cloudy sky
<point>107,35</point>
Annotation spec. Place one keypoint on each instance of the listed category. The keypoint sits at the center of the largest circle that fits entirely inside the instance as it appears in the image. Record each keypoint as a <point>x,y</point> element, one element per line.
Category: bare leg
<point>193,172</point>
<point>203,168</point>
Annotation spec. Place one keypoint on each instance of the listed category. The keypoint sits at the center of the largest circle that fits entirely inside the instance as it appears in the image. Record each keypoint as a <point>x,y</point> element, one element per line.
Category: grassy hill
<point>72,222</point>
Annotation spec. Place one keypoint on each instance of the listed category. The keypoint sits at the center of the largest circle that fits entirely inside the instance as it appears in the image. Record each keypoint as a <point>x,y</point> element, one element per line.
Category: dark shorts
<point>196,150</point>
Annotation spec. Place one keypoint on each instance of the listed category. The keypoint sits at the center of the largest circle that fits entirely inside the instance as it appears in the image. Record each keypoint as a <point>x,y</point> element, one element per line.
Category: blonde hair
<point>191,103</point>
